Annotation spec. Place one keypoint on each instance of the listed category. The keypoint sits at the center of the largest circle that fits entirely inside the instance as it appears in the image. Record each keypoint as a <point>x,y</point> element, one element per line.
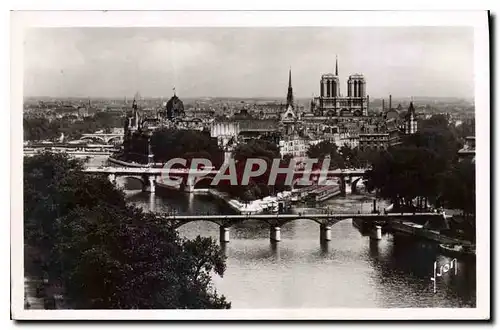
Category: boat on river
<point>458,251</point>
<point>323,193</point>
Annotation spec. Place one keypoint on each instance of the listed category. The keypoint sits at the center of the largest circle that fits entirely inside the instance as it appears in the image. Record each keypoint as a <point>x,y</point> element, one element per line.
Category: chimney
<point>390,102</point>
<point>383,105</point>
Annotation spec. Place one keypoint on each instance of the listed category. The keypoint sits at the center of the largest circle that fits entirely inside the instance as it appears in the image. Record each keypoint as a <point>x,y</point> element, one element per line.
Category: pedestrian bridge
<point>276,221</point>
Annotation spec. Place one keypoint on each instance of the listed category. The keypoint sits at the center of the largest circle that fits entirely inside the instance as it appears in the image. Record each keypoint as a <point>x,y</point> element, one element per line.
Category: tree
<point>398,175</point>
<point>467,128</point>
<point>168,143</point>
<point>459,191</point>
<point>324,149</point>
<point>109,254</point>
<point>437,135</point>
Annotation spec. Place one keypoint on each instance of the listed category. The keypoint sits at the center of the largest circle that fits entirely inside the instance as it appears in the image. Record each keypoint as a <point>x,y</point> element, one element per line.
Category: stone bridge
<point>276,221</point>
<point>150,176</point>
<point>104,137</point>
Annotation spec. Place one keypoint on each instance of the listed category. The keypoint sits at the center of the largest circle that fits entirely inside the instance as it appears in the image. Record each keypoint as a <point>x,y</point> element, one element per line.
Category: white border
<point>476,19</point>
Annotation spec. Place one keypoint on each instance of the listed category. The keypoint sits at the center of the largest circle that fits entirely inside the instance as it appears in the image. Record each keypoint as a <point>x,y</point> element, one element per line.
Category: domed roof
<point>175,102</point>
<point>175,107</point>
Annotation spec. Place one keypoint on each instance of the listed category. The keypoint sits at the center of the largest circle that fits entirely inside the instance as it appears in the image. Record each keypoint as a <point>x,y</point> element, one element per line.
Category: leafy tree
<point>459,191</point>
<point>36,129</point>
<point>467,128</point>
<point>171,143</point>
<point>106,253</point>
<point>399,176</point>
<point>425,168</point>
<point>437,135</point>
<point>324,149</point>
<point>257,186</point>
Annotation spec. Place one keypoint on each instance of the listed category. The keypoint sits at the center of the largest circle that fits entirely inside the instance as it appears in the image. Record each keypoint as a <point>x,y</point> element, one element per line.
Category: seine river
<point>299,272</point>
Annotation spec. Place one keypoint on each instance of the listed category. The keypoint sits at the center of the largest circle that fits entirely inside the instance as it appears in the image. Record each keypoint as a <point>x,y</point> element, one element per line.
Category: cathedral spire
<point>289,96</point>
<point>290,78</point>
<point>336,65</point>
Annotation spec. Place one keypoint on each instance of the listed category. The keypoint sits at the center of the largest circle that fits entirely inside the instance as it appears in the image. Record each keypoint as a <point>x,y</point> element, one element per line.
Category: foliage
<point>257,186</point>
<point>459,187</point>
<point>36,129</point>
<point>324,149</point>
<point>436,135</point>
<point>168,143</point>
<point>398,174</point>
<point>425,168</point>
<point>106,253</point>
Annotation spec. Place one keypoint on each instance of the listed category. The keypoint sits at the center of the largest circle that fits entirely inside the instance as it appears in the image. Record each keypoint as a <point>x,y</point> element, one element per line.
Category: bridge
<point>104,137</point>
<point>276,221</point>
<point>150,176</point>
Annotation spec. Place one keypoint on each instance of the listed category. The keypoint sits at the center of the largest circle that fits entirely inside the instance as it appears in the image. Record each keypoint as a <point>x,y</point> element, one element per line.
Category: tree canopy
<point>324,149</point>
<point>257,187</point>
<point>36,129</point>
<point>424,169</point>
<point>168,143</point>
<point>108,254</point>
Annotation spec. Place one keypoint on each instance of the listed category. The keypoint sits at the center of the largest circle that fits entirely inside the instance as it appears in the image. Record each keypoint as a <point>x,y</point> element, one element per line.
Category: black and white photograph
<point>237,165</point>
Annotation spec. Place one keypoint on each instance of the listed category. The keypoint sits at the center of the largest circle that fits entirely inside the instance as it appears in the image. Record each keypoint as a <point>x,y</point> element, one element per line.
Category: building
<point>331,103</point>
<point>289,118</point>
<point>410,125</point>
<point>136,140</point>
<point>226,133</point>
<point>389,132</point>
<point>469,149</point>
<point>294,146</point>
<point>377,141</point>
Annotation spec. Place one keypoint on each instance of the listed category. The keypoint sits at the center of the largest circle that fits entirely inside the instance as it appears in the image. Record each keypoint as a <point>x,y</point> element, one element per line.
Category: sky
<point>246,62</point>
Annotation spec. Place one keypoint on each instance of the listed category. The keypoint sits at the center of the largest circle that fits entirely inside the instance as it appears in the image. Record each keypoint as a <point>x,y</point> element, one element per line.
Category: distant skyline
<point>246,62</point>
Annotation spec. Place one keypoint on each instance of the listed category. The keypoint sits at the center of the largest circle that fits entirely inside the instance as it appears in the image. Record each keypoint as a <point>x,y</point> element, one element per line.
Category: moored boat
<point>323,193</point>
<point>457,250</point>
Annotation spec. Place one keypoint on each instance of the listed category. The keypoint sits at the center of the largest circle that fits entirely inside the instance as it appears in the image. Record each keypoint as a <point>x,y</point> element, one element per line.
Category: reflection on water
<point>299,272</point>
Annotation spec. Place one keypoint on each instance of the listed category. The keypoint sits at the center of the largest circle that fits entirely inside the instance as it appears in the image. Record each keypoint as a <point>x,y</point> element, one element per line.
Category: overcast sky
<point>246,62</point>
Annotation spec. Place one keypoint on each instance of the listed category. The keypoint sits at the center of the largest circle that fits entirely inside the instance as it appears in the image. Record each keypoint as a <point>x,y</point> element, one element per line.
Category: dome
<point>175,107</point>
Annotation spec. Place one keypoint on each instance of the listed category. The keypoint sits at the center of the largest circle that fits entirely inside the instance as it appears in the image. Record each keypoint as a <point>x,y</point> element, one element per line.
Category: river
<point>299,272</point>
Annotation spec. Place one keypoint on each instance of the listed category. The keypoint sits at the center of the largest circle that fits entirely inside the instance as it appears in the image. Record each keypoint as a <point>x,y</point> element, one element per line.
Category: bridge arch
<point>318,221</point>
<point>179,224</point>
<point>354,184</point>
<point>114,139</point>
<point>94,138</point>
<point>123,180</point>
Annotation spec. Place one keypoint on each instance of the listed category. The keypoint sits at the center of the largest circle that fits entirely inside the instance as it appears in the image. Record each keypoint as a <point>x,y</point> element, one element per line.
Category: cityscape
<point>361,195</point>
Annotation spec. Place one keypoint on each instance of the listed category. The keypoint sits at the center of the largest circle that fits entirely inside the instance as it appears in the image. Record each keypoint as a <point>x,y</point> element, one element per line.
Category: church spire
<point>289,96</point>
<point>336,66</point>
<point>290,78</point>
